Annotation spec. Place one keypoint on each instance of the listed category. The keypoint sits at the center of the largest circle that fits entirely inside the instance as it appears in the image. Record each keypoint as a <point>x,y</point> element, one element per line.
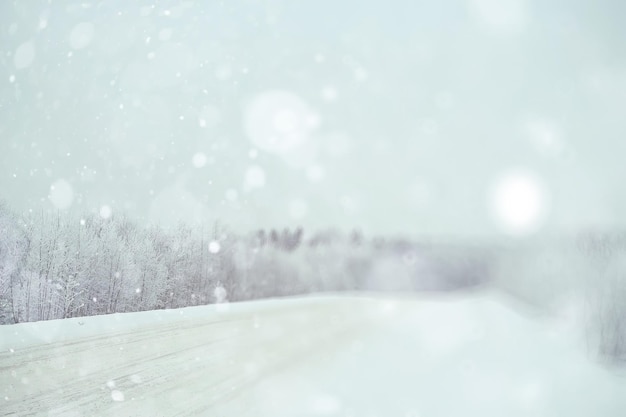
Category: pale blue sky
<point>420,108</point>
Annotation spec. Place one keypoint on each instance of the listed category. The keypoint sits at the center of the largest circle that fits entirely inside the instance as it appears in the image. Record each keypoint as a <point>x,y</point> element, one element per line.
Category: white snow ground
<point>311,356</point>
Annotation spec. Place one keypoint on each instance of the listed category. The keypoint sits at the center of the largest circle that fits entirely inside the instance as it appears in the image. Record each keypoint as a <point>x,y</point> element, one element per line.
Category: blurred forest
<point>56,265</point>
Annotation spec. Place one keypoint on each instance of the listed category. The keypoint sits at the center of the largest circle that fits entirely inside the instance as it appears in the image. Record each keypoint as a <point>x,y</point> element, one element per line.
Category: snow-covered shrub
<point>541,272</point>
<point>586,273</point>
<point>14,247</point>
<point>606,291</point>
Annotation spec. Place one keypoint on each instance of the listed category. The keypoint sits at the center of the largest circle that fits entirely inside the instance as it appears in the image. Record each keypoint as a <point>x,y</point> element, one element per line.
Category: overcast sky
<point>459,117</point>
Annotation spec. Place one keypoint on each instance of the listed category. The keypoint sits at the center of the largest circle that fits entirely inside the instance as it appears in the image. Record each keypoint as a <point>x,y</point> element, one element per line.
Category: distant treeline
<point>57,265</point>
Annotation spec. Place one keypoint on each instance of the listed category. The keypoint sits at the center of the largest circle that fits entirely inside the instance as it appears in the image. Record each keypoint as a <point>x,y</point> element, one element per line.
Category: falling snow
<point>503,16</point>
<point>519,202</point>
<point>117,395</point>
<point>220,294</point>
<point>199,160</point>
<point>61,194</point>
<point>81,35</point>
<point>167,168</point>
<point>255,177</point>
<point>214,246</point>
<point>105,212</point>
<point>24,55</point>
<point>278,121</point>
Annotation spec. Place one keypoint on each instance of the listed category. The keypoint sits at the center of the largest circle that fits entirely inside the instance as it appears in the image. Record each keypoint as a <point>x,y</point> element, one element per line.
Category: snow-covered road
<point>314,356</point>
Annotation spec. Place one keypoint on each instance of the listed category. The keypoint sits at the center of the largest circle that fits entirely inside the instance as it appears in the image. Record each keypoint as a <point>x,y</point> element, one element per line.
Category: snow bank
<point>313,356</point>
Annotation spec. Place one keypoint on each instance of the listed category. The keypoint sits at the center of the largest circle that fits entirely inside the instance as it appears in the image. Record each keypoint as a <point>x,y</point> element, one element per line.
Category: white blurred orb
<point>117,395</point>
<point>502,16</point>
<point>329,93</point>
<point>255,177</point>
<point>518,202</point>
<point>315,173</point>
<point>165,34</point>
<point>214,246</point>
<point>286,120</point>
<point>81,35</point>
<point>105,212</point>
<point>220,294</point>
<point>199,160</point>
<point>24,55</point>
<point>61,194</point>
<point>278,121</point>
<point>326,405</point>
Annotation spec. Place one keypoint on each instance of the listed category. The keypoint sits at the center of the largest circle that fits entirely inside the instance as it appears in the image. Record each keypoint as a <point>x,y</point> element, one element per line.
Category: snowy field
<point>358,355</point>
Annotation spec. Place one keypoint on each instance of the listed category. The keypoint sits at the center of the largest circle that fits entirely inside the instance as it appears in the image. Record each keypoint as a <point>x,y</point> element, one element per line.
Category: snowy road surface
<point>313,356</point>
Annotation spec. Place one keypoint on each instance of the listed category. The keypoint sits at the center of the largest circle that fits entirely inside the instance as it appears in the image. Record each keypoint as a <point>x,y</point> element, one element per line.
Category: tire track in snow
<point>211,359</point>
